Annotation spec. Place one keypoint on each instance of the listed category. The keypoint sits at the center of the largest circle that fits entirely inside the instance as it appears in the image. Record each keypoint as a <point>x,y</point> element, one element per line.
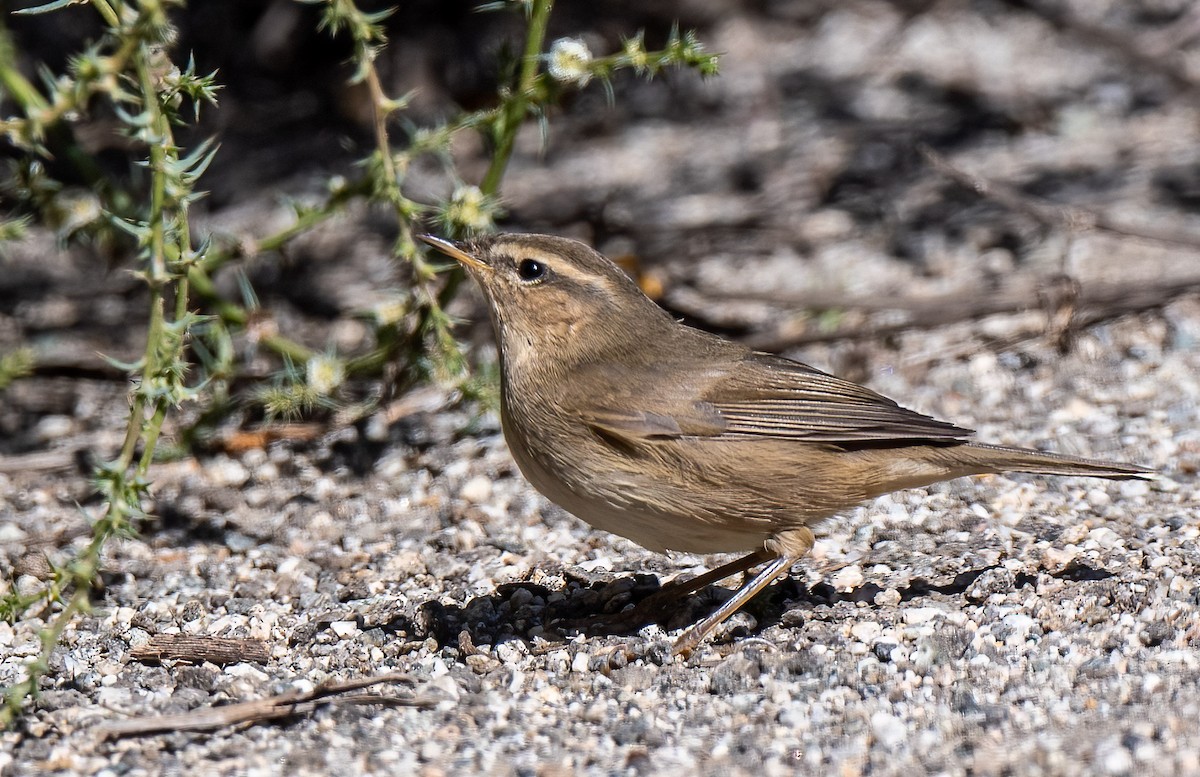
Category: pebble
<point>889,730</point>
<point>847,578</point>
<point>889,597</point>
<point>53,427</point>
<point>477,490</point>
<point>914,616</point>
<point>1113,758</point>
<point>223,471</point>
<point>1055,559</point>
<point>344,629</point>
<point>866,631</point>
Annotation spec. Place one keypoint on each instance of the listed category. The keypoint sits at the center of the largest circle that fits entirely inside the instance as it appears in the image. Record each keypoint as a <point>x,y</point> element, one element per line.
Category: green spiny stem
<point>16,85</point>
<point>106,10</point>
<point>161,356</point>
<point>514,113</point>
<point>508,122</point>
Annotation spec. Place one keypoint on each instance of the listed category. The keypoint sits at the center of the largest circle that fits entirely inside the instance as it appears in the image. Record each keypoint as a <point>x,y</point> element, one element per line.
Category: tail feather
<point>1000,458</point>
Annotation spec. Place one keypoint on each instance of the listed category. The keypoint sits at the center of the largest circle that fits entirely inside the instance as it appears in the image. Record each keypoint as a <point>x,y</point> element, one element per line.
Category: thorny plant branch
<point>513,115</point>
<point>508,121</point>
<point>160,372</point>
<point>130,67</point>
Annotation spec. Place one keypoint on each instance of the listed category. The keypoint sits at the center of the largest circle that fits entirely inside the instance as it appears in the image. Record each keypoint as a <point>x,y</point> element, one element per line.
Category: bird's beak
<point>455,250</point>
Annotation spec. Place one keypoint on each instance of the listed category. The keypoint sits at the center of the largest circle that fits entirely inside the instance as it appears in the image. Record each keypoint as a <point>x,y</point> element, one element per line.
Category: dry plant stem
<point>1096,303</point>
<point>246,712</point>
<point>198,648</point>
<point>1051,215</point>
<point>1172,68</point>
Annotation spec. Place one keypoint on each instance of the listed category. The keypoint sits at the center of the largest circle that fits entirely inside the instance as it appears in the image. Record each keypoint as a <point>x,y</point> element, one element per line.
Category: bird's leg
<point>650,608</point>
<point>788,548</point>
<point>677,589</point>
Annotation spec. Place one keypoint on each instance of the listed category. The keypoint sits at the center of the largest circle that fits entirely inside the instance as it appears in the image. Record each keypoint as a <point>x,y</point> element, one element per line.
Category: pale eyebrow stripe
<point>565,269</point>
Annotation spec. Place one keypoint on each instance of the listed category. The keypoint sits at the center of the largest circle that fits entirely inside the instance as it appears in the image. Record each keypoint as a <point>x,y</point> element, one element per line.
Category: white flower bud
<point>569,60</point>
<point>325,374</point>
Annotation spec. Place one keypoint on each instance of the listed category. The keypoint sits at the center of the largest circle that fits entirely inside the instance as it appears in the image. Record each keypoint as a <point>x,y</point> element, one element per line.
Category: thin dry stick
<point>1095,303</point>
<point>1131,48</point>
<point>1168,40</point>
<point>198,648</point>
<point>1051,215</point>
<point>259,710</point>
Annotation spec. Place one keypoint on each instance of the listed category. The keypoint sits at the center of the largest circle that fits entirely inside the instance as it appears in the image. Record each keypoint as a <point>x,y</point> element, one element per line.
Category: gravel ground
<point>990,626</point>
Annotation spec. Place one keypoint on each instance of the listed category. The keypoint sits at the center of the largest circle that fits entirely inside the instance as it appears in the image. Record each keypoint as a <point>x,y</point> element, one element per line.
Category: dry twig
<point>1094,303</point>
<point>1055,216</point>
<point>1140,55</point>
<point>283,705</point>
<point>198,648</point>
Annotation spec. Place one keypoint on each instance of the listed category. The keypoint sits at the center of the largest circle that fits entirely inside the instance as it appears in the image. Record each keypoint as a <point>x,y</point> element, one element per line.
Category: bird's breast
<point>649,502</point>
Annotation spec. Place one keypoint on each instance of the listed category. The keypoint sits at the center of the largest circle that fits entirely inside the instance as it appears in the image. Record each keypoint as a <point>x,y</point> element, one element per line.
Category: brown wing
<point>774,397</point>
<point>760,396</point>
<point>648,425</point>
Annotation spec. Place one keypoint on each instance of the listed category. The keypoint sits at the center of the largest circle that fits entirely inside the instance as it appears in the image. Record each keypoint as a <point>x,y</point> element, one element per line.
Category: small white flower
<point>325,374</point>
<point>390,311</point>
<point>79,208</point>
<point>569,60</point>
<point>470,208</point>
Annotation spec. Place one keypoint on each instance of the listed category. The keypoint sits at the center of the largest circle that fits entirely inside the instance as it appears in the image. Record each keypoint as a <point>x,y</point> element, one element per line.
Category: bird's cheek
<point>564,331</point>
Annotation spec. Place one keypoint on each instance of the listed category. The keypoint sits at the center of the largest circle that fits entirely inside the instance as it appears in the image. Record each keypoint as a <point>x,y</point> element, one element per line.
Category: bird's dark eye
<point>531,270</point>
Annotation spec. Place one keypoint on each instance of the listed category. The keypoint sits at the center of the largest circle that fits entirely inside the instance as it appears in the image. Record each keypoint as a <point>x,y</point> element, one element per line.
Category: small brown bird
<point>680,440</point>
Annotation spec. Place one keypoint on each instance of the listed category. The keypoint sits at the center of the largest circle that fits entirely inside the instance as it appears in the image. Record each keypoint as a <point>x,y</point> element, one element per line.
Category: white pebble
<point>52,427</point>
<point>866,631</point>
<point>344,628</point>
<point>847,578</point>
<point>1113,758</point>
<point>889,731</point>
<point>509,652</point>
<point>1105,537</point>
<point>1020,624</point>
<point>1132,488</point>
<point>916,615</point>
<point>477,490</point>
<point>224,471</point>
<point>889,598</point>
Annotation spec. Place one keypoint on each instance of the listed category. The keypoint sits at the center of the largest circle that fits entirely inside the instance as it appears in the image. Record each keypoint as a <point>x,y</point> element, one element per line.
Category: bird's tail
<point>1000,458</point>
